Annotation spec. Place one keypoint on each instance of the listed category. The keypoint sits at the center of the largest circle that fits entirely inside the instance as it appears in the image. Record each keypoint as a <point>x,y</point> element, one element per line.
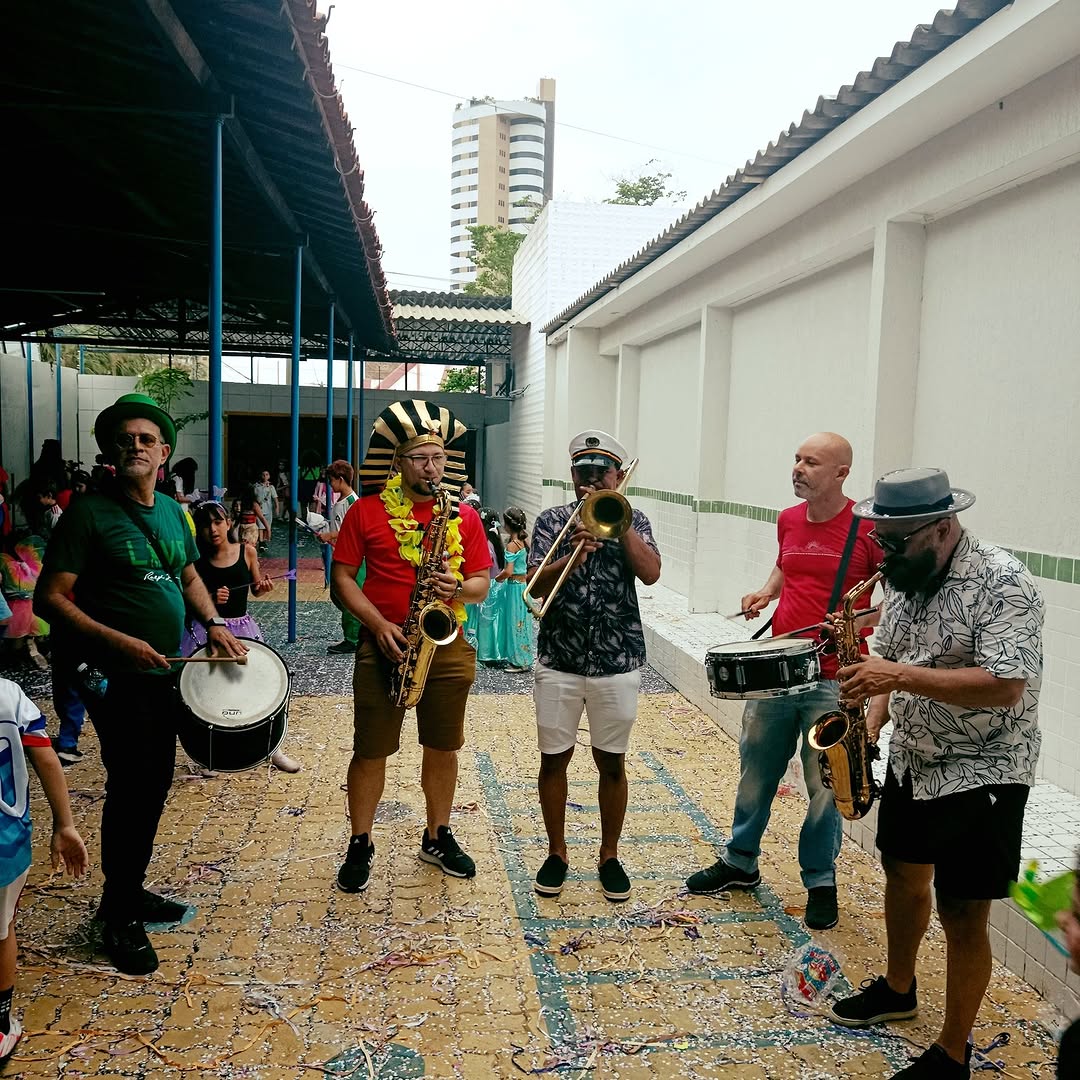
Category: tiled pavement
<point>279,975</point>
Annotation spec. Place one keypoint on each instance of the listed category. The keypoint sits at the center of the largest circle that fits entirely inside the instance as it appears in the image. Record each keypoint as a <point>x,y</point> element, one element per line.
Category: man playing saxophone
<point>811,569</point>
<point>958,676</point>
<point>402,513</point>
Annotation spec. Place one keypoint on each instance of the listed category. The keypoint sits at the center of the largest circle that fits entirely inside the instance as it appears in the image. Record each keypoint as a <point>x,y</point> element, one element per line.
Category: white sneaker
<point>9,1041</point>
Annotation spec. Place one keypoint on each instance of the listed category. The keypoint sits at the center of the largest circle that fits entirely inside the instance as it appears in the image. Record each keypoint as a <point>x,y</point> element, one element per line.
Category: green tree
<point>461,380</point>
<point>647,189</point>
<point>493,251</point>
<point>167,385</point>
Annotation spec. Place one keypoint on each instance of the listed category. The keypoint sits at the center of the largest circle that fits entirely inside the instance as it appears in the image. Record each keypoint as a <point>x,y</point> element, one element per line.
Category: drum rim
<point>269,714</point>
<point>789,645</point>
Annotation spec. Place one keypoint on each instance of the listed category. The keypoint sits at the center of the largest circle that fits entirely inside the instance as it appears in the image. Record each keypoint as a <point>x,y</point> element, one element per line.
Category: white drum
<point>234,716</point>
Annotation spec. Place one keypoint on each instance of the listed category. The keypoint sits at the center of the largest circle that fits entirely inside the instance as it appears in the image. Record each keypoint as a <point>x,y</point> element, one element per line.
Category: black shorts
<point>972,838</point>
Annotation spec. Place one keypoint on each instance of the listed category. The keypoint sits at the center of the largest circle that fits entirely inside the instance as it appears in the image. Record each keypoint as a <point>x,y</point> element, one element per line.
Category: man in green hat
<point>117,581</point>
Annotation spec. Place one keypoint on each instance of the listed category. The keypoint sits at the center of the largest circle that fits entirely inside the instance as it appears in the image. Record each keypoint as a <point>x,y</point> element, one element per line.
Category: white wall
<point>17,454</point>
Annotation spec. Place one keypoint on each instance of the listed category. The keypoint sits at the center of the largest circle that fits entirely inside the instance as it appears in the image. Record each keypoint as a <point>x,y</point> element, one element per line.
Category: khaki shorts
<point>440,715</point>
<point>9,901</point>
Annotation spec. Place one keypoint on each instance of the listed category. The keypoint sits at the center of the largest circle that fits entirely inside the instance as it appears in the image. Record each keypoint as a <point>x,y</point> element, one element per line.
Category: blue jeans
<point>69,707</point>
<point>770,733</point>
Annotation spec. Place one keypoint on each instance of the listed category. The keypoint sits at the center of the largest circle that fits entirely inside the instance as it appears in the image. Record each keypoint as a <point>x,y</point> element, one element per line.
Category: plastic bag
<point>810,974</point>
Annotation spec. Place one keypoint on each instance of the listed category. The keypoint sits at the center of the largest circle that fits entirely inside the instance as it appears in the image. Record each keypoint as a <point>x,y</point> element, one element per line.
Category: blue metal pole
<point>362,448</point>
<point>329,434</point>
<point>349,408</point>
<point>294,447</point>
<point>30,443</point>
<point>82,359</point>
<point>214,315</point>
<point>59,391</point>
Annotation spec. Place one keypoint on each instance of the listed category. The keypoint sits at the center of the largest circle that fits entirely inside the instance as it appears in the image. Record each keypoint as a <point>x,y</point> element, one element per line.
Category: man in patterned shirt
<point>958,675</point>
<point>590,651</point>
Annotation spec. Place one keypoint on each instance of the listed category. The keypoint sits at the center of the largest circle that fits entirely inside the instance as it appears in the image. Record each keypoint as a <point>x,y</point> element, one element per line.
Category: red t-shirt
<point>366,537</point>
<point>809,558</point>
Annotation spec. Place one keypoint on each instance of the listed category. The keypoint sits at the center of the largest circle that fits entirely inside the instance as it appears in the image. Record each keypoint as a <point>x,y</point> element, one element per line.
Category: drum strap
<point>841,573</point>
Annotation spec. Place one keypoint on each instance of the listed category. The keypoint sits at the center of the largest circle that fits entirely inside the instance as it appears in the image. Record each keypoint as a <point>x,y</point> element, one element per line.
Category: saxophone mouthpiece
<point>433,486</point>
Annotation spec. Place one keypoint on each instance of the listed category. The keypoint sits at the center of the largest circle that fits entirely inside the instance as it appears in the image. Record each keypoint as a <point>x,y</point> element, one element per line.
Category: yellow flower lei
<point>409,535</point>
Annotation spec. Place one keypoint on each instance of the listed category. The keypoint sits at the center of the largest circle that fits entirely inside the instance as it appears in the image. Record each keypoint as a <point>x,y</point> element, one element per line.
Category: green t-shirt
<point>121,582</point>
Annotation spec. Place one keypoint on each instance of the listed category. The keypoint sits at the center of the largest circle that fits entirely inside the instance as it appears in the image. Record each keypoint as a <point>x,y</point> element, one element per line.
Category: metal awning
<point>112,107</point>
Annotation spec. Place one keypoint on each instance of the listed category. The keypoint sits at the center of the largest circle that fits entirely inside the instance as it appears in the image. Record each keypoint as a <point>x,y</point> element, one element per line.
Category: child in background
<point>488,634</point>
<point>265,496</point>
<point>229,570</point>
<point>20,567</point>
<point>249,517</point>
<point>282,485</point>
<point>516,622</point>
<point>22,735</point>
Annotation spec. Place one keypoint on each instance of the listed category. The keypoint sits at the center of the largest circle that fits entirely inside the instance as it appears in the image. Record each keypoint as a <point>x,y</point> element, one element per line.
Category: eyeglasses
<point>896,544</point>
<point>420,460</point>
<point>126,441</point>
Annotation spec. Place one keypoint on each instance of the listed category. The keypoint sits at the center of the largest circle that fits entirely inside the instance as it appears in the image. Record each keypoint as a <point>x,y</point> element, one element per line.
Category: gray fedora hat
<point>913,495</point>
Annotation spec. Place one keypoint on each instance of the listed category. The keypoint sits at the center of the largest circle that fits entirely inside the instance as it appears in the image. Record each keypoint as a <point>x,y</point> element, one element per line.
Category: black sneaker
<point>445,852</point>
<point>353,874</point>
<point>875,1003</point>
<point>935,1064</point>
<point>821,911</point>
<point>69,755</point>
<point>128,948</point>
<point>551,877</point>
<point>160,909</point>
<point>613,881</point>
<point>720,877</point>
<point>341,648</point>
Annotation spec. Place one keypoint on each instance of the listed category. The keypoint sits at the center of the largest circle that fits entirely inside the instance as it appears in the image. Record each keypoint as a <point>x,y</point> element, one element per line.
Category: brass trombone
<point>606,514</point>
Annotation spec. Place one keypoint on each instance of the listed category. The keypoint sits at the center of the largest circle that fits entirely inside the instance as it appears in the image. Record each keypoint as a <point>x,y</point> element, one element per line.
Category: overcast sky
<point>704,85</point>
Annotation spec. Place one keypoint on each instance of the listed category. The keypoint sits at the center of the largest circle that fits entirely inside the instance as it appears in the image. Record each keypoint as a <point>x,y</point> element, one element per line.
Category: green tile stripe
<point>1050,567</point>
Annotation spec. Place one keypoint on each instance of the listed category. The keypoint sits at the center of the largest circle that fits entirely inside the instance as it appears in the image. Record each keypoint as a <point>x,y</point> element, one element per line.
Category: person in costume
<point>339,475</point>
<point>411,450</point>
<point>486,616</point>
<point>118,579</point>
<point>515,619</point>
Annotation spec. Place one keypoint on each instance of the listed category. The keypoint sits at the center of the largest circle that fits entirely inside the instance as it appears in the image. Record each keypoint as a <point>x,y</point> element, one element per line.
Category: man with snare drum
<point>810,574</point>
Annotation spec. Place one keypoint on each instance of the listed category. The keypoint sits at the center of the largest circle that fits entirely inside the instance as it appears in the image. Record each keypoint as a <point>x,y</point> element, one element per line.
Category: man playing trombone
<point>591,646</point>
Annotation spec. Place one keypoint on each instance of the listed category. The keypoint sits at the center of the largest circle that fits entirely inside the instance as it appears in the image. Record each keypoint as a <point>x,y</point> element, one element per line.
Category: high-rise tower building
<point>501,171</point>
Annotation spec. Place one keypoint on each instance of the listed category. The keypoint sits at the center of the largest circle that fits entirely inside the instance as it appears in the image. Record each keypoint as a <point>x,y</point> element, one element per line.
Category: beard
<point>422,488</point>
<point>912,575</point>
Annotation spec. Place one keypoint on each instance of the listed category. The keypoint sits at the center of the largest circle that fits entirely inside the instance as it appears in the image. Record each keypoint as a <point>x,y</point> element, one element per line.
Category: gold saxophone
<point>430,622</point>
<point>841,735</point>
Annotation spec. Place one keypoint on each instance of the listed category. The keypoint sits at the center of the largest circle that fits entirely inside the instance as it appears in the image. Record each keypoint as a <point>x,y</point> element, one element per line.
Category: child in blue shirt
<point>22,735</point>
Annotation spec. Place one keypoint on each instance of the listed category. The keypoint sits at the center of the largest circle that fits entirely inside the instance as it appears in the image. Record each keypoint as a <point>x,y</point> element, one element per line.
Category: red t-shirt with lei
<point>366,536</point>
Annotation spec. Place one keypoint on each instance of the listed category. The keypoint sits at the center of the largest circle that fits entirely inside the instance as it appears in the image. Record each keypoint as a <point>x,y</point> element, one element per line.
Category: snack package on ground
<point>809,975</point>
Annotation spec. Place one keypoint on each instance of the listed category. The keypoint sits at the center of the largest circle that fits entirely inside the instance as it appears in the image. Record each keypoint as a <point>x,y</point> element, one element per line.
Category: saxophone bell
<point>829,729</point>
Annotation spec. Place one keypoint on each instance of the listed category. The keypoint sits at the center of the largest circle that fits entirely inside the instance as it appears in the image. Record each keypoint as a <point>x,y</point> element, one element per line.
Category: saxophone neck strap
<point>845,559</point>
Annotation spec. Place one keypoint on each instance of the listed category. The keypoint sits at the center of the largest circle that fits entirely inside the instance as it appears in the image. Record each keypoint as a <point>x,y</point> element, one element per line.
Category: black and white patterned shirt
<point>593,627</point>
<point>987,613</point>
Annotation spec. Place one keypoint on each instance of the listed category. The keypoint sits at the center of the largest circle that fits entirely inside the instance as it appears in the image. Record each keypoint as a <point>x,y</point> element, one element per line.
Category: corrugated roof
<point>829,113</point>
<point>419,298</point>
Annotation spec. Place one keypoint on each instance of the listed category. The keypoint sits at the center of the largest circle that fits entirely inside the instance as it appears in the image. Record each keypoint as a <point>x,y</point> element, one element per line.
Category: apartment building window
<point>527,138</point>
<point>501,169</point>
<point>502,187</point>
<point>527,172</point>
<point>502,221</point>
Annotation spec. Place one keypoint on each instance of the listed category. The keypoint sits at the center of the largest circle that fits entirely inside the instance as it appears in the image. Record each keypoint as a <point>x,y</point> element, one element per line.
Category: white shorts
<point>9,901</point>
<point>609,700</point>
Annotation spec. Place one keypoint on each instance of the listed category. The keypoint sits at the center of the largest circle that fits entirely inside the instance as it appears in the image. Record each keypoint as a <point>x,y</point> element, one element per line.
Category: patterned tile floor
<point>277,974</point>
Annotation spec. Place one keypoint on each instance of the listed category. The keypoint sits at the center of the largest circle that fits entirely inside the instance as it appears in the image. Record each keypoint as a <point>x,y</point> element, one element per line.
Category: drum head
<point>763,647</point>
<point>236,695</point>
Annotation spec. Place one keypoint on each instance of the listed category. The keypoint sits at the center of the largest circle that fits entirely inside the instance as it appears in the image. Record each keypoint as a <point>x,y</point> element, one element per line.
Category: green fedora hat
<point>128,407</point>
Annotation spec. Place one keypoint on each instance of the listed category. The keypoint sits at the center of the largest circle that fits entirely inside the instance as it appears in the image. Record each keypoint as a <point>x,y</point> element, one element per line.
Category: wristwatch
<point>217,620</point>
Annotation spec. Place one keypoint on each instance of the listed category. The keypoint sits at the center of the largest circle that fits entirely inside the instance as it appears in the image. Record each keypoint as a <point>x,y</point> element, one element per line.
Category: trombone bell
<point>606,514</point>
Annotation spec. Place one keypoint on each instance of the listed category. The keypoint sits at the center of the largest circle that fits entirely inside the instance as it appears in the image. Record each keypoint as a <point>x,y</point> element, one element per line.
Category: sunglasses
<point>126,441</point>
<point>894,545</point>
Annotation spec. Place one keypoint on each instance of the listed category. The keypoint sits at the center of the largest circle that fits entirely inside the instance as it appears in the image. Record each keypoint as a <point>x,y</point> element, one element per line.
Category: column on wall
<point>710,423</point>
<point>628,397</point>
<point>893,335</point>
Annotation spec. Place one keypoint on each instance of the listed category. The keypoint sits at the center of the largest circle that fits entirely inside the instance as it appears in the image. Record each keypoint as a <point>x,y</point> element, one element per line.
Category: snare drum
<point>762,668</point>
<point>232,717</point>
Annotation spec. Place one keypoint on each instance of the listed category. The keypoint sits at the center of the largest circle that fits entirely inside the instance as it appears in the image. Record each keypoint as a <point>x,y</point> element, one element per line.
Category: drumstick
<point>207,659</point>
<point>821,625</point>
